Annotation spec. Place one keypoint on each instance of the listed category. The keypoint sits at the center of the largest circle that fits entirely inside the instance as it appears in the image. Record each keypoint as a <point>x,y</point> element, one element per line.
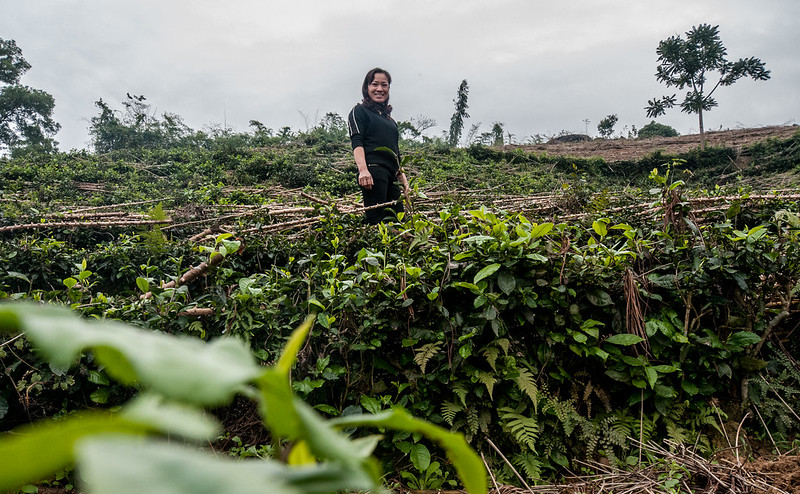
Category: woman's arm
<point>364,176</point>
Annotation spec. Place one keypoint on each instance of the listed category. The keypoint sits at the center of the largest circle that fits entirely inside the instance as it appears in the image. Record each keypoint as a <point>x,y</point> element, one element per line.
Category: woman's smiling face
<point>378,89</point>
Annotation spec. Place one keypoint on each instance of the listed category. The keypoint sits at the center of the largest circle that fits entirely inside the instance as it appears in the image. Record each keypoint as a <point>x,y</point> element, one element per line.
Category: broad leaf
<point>486,272</point>
<point>624,339</point>
<point>129,467</point>
<point>184,369</point>
<point>469,466</point>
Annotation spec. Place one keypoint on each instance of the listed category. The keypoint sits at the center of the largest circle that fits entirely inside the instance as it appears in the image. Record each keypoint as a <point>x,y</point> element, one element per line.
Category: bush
<point>654,129</point>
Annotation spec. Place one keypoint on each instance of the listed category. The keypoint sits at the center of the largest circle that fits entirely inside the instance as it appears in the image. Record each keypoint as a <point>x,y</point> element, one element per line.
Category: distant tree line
<point>27,125</point>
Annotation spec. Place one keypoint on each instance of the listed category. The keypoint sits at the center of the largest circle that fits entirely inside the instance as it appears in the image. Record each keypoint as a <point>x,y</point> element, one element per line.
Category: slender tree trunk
<point>702,132</point>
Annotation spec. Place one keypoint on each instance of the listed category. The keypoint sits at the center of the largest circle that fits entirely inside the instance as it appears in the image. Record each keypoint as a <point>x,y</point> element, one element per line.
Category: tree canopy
<point>26,114</point>
<point>688,63</point>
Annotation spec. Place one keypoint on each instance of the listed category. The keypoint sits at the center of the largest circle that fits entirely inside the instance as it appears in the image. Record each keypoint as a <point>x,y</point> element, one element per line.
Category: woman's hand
<point>364,176</point>
<point>365,179</point>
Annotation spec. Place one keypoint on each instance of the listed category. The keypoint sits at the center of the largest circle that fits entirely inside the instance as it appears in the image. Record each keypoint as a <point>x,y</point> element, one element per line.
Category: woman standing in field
<point>371,128</point>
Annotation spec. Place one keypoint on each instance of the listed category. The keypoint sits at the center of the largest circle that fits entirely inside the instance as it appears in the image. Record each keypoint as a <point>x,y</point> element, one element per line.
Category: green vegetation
<point>457,120</point>
<point>26,114</point>
<point>655,129</point>
<point>177,378</point>
<point>556,310</point>
<point>606,126</point>
<point>688,64</point>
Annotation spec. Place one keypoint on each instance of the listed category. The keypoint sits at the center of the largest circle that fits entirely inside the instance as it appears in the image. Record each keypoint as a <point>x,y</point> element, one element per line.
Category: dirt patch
<point>615,150</point>
<point>782,472</point>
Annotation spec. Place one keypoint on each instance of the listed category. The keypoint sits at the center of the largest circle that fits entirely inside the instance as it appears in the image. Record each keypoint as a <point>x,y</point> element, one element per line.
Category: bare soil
<point>615,150</point>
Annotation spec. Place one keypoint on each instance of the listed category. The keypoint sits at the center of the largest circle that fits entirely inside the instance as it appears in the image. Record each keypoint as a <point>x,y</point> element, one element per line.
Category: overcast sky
<point>537,67</point>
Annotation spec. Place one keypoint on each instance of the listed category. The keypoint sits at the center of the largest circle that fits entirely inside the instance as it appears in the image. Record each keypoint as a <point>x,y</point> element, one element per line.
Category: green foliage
<point>606,126</point>
<point>26,114</point>
<point>491,322</point>
<point>655,129</point>
<point>457,120</point>
<point>688,64</point>
<point>178,376</point>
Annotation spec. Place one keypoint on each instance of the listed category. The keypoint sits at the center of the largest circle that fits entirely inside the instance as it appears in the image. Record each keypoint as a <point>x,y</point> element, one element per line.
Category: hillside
<point>575,306</point>
<point>615,150</point>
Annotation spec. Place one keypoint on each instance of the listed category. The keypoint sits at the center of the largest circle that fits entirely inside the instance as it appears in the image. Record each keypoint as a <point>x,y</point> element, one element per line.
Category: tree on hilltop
<point>457,120</point>
<point>26,114</point>
<point>688,63</point>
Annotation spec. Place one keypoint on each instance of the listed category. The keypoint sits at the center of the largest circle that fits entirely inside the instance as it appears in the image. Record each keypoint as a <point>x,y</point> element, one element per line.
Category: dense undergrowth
<point>553,341</point>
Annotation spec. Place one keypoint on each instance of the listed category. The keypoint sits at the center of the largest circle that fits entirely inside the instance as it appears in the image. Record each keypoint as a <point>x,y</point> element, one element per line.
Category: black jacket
<point>372,130</point>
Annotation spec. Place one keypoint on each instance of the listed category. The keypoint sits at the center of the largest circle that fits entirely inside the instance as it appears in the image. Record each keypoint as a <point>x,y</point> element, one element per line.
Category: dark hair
<point>384,107</point>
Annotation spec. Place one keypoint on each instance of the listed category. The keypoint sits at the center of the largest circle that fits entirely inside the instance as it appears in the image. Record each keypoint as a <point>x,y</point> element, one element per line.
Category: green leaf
<point>690,388</point>
<point>370,404</point>
<point>171,417</point>
<point>467,463</point>
<point>171,469</point>
<point>541,230</point>
<point>599,298</point>
<point>600,228</point>
<point>143,284</point>
<point>97,378</point>
<point>36,452</point>
<point>665,369</point>
<point>624,339</point>
<point>420,457</point>
<point>469,286</point>
<point>185,369</point>
<point>486,272</point>
<point>652,376</point>
<point>19,276</point>
<point>742,339</point>
<point>506,282</point>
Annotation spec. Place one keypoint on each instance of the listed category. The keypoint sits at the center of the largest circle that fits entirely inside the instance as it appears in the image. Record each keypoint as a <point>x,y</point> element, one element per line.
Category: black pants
<point>384,189</point>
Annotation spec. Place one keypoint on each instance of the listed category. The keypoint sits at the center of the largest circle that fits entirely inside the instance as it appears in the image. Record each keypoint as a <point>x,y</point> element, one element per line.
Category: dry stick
<point>509,464</point>
<point>491,475</point>
<point>738,430</point>
<point>92,215</point>
<point>191,275</point>
<point>312,198</point>
<point>112,206</point>
<point>766,429</point>
<point>80,224</point>
<point>641,427</point>
<point>197,312</point>
<point>12,340</point>
<point>722,425</point>
<point>282,226</point>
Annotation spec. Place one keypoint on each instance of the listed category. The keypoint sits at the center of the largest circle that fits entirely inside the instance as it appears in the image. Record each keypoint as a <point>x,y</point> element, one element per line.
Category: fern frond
<point>677,433</point>
<point>450,410</point>
<point>460,391</point>
<point>619,431</point>
<point>504,344</point>
<point>527,384</point>
<point>565,412</point>
<point>491,355</point>
<point>529,464</point>
<point>425,353</point>
<point>472,424</point>
<point>488,380</point>
<point>524,429</point>
<point>484,420</point>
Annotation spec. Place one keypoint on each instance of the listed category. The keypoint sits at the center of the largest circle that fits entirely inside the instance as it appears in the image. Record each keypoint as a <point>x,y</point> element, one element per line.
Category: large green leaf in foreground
<point>182,375</point>
<point>184,369</point>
